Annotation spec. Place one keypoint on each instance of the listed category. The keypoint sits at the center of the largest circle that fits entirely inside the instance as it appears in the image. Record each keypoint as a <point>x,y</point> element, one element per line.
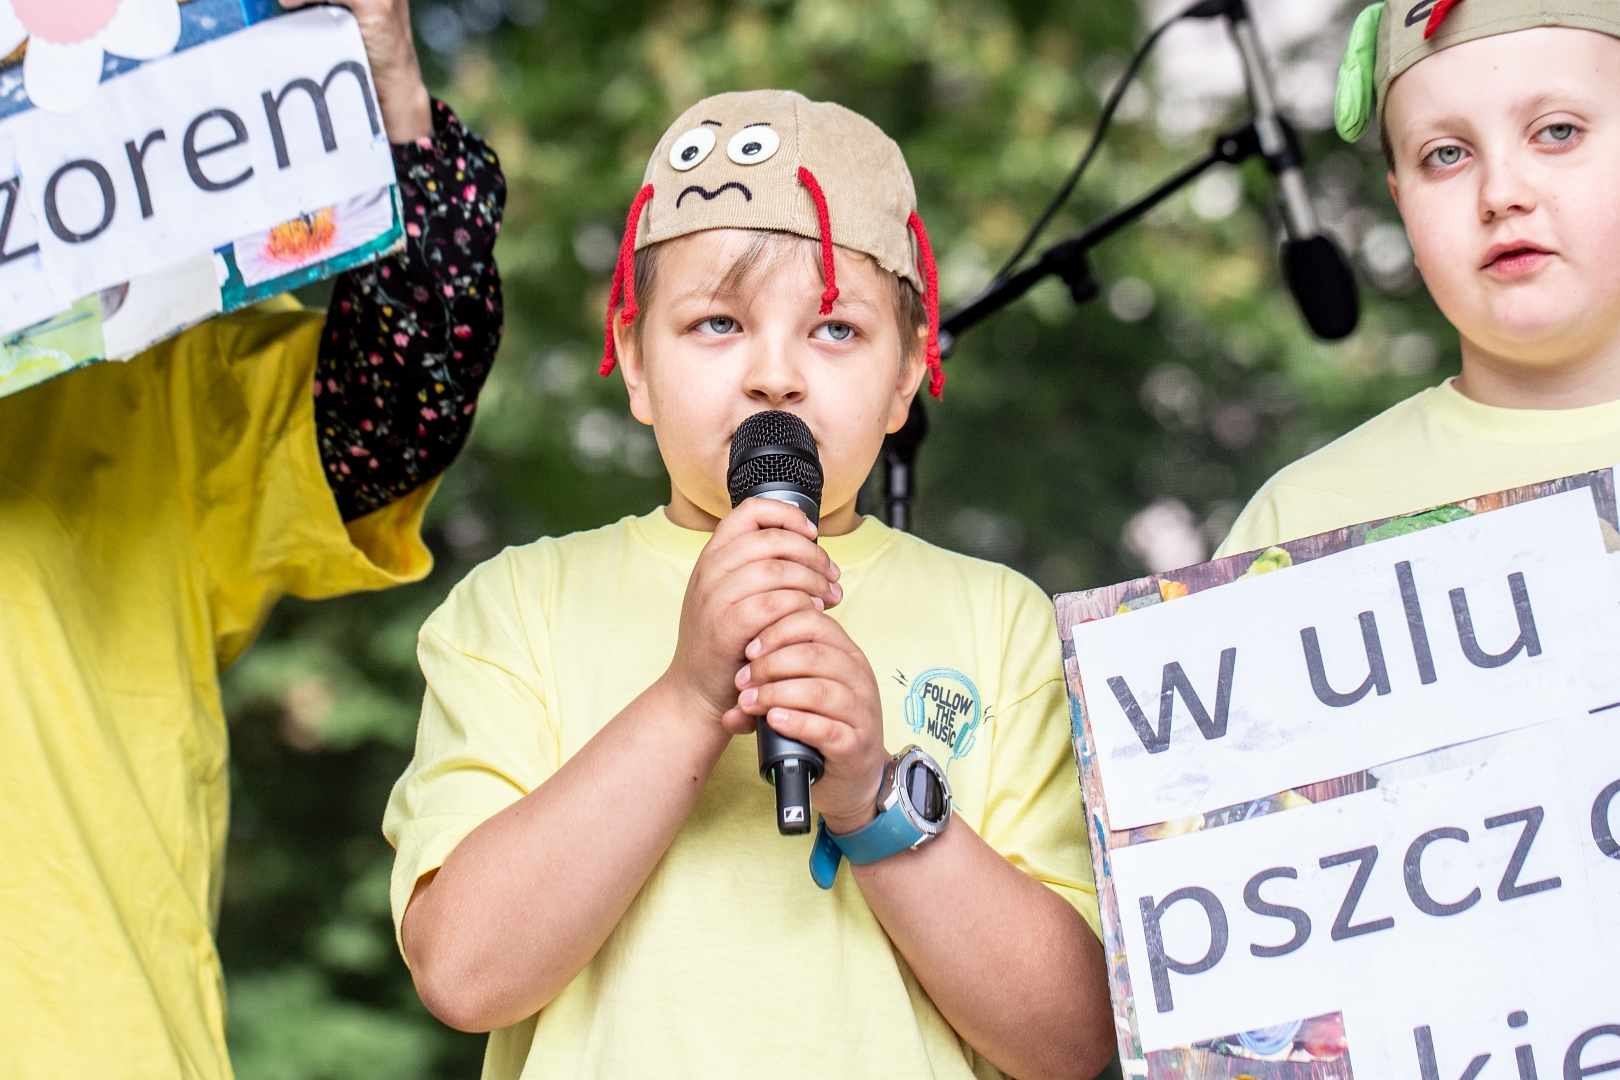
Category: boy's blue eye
<point>719,324</point>
<point>1559,132</point>
<point>1448,155</point>
<point>837,331</point>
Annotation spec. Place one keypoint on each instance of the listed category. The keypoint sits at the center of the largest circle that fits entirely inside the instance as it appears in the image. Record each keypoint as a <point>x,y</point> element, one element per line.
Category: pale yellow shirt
<point>1435,447</point>
<point>730,962</point>
<point>150,515</point>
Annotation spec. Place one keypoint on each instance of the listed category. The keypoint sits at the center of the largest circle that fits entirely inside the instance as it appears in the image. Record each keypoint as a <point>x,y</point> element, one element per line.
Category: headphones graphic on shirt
<point>959,730</point>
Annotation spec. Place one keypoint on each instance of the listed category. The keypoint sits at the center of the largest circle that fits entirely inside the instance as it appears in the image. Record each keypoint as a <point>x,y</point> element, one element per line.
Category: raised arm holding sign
<point>386,27</point>
<point>152,512</point>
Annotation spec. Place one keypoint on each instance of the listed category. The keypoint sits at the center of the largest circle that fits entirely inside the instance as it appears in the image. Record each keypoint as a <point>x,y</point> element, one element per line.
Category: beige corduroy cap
<point>1390,37</point>
<point>774,159</point>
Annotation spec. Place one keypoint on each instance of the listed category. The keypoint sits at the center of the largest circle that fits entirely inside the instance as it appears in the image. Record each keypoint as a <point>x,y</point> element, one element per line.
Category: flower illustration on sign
<point>67,40</point>
<point>312,237</point>
<point>303,239</point>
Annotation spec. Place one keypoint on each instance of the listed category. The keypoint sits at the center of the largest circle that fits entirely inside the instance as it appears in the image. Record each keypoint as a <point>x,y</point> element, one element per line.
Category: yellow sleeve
<point>1033,812</point>
<point>242,416</point>
<point>1257,527</point>
<point>485,738</point>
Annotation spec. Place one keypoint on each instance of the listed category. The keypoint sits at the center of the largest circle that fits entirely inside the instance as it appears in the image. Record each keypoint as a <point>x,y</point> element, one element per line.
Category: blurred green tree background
<point>1082,445</point>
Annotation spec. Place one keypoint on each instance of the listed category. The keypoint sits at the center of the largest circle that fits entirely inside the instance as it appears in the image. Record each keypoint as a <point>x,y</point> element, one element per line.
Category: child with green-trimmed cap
<point>1501,125</point>
<point>589,865</point>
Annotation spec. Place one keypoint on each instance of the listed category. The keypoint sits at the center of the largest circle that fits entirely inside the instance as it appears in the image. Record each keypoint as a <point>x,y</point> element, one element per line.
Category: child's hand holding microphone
<point>803,674</point>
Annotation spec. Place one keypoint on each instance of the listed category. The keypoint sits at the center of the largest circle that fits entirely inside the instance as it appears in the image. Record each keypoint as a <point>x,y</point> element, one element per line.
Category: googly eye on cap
<point>753,144</point>
<point>690,149</point>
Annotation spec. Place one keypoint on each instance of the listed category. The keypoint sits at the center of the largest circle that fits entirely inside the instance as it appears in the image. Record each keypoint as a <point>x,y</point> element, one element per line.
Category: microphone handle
<point>791,767</point>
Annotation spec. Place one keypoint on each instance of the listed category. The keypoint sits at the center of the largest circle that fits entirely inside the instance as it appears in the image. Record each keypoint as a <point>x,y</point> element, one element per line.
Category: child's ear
<point>633,370</point>
<point>913,367</point>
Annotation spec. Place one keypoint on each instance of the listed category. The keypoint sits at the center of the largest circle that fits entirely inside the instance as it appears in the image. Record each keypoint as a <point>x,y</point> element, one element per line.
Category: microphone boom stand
<point>1316,271</point>
<point>1066,259</point>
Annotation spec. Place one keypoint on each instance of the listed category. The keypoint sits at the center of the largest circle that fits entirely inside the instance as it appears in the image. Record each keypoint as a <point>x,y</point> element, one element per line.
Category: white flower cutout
<point>67,40</point>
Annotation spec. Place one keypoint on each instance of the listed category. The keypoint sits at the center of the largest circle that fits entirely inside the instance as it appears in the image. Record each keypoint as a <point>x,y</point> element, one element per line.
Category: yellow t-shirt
<point>730,958</point>
<point>150,515</point>
<point>1435,447</point>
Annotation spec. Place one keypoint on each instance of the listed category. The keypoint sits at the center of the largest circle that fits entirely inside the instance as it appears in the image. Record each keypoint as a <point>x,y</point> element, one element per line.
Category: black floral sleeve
<point>409,339</point>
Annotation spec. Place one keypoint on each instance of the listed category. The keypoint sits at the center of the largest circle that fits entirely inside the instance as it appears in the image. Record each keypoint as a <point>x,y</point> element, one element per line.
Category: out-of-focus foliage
<point>1081,445</point>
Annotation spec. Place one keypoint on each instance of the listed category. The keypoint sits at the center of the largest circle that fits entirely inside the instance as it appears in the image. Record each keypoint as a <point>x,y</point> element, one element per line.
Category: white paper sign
<point>1449,916</point>
<point>192,151</point>
<point>1381,652</point>
<point>151,307</point>
<point>26,297</point>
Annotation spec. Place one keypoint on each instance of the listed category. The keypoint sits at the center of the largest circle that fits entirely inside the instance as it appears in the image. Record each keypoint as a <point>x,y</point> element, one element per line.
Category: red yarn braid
<point>1437,16</point>
<point>930,273</point>
<point>808,179</point>
<point>624,278</point>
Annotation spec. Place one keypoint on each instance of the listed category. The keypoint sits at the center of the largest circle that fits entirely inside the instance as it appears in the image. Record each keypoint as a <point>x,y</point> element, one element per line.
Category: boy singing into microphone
<point>1501,126</point>
<point>589,865</point>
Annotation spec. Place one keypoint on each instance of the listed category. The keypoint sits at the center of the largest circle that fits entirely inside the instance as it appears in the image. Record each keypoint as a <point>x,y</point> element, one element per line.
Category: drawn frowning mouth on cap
<point>710,196</point>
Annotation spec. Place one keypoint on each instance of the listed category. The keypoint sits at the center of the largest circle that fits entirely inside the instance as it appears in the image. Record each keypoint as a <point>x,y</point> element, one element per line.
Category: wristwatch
<point>913,807</point>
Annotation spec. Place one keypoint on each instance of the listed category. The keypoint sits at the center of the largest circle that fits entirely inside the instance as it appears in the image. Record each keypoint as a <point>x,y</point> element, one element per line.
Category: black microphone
<point>773,456</point>
<point>1317,272</point>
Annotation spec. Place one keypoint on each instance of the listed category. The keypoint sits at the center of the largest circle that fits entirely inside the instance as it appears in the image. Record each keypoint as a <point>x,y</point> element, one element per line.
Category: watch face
<point>926,796</point>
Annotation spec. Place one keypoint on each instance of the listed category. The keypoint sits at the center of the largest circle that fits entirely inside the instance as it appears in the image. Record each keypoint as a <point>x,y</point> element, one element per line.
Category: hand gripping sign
<point>164,161</point>
<point>1355,798</point>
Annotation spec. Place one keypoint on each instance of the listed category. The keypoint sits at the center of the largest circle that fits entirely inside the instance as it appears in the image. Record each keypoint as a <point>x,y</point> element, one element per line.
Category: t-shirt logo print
<point>943,704</point>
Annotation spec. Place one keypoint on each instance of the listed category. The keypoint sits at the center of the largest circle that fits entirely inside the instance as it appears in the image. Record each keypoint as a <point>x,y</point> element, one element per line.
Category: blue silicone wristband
<point>887,834</point>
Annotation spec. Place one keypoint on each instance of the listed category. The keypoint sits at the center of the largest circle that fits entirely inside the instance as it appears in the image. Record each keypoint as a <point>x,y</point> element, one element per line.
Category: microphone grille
<point>749,468</point>
<point>772,469</point>
<point>774,428</point>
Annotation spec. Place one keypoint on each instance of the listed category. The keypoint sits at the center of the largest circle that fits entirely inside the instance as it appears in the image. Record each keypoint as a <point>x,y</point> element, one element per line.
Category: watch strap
<point>887,834</point>
<point>825,855</point>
